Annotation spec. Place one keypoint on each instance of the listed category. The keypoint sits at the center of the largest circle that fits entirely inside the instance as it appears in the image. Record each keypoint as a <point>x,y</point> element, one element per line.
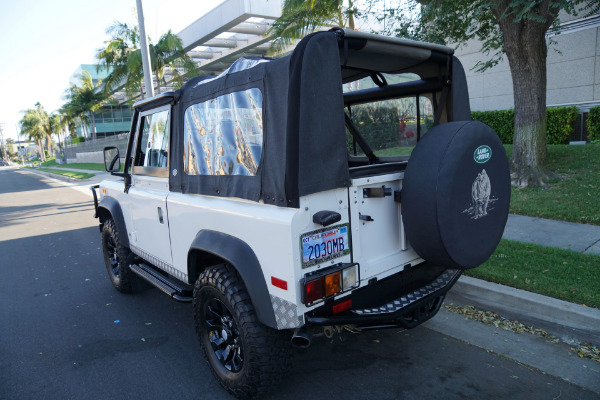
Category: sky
<point>42,43</point>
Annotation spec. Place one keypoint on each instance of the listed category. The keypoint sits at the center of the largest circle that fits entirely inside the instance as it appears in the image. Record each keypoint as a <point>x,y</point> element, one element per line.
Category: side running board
<point>173,289</point>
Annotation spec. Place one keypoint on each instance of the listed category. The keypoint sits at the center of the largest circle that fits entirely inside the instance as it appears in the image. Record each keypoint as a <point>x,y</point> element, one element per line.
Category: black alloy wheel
<point>224,335</point>
<point>115,258</point>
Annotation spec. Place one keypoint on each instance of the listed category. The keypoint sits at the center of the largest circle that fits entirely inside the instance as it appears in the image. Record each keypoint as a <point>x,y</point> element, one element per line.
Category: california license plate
<point>324,245</point>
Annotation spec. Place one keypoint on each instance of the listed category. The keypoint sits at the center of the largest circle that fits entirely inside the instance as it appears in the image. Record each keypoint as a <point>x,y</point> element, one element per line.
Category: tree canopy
<point>515,28</point>
<point>122,57</point>
<point>84,100</point>
<point>35,124</point>
<point>301,17</point>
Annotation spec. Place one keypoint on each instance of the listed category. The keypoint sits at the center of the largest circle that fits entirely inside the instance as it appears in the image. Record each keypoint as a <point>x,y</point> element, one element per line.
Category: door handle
<point>160,216</point>
<point>365,217</point>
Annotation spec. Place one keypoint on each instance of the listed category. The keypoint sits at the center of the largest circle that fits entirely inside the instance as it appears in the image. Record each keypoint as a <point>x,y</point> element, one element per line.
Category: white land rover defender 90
<point>342,185</point>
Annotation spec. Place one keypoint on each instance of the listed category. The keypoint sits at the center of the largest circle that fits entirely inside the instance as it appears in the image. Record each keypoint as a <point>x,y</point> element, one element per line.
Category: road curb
<point>560,318</point>
<point>55,176</point>
<point>96,178</point>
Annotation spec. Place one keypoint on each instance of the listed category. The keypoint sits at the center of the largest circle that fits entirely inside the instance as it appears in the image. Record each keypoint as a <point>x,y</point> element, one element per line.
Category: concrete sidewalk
<point>581,238</point>
<point>560,318</point>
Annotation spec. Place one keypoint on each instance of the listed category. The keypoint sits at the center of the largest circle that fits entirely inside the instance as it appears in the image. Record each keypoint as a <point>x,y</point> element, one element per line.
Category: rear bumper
<point>408,309</point>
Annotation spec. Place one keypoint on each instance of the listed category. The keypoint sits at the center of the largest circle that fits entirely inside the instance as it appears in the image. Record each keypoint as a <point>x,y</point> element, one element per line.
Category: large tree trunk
<point>526,50</point>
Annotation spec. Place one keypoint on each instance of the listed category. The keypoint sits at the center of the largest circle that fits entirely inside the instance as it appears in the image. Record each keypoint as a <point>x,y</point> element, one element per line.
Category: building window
<point>224,135</point>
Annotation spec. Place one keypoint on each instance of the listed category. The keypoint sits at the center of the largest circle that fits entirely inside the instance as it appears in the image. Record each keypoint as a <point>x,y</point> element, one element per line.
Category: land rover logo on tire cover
<point>482,154</point>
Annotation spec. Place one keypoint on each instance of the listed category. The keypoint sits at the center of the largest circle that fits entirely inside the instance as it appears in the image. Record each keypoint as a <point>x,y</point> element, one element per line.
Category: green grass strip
<point>573,196</point>
<point>70,174</point>
<point>88,166</point>
<point>50,163</point>
<point>558,273</point>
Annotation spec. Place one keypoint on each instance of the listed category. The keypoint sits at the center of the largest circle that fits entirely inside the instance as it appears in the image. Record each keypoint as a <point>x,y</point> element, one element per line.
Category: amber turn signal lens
<point>333,284</point>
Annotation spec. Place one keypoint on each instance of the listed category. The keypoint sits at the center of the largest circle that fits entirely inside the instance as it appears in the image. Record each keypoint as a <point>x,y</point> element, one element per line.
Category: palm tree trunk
<point>40,144</point>
<point>93,127</point>
<point>157,81</point>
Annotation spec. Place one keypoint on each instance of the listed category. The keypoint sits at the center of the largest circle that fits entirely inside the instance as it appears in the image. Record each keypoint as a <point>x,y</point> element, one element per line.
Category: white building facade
<point>573,65</point>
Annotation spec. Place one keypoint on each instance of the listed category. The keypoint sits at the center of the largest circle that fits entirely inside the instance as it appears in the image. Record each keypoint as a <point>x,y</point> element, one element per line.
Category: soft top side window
<point>224,135</point>
<point>152,149</point>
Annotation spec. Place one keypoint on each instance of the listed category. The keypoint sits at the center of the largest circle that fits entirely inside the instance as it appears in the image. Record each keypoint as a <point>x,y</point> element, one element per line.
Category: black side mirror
<point>112,160</point>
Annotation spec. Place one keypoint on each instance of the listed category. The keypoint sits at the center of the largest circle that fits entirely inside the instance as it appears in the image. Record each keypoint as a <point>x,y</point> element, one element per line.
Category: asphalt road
<point>65,333</point>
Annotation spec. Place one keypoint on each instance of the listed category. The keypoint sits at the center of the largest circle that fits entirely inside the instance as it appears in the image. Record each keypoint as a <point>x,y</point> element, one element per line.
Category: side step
<point>173,289</point>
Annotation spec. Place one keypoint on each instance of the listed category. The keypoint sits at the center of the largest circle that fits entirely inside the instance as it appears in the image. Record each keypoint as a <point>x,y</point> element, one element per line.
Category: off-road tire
<point>115,258</point>
<point>264,352</point>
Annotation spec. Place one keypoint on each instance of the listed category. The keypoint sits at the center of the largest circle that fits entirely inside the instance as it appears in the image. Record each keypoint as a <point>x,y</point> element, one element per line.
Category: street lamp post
<point>145,52</point>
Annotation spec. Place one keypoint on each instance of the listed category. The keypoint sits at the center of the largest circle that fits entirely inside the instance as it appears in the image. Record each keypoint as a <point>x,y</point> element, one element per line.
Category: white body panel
<point>273,233</point>
<point>146,203</point>
<point>379,244</point>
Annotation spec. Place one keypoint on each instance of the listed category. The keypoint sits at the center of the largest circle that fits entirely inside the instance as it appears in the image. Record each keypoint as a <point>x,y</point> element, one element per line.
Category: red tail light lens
<point>315,290</point>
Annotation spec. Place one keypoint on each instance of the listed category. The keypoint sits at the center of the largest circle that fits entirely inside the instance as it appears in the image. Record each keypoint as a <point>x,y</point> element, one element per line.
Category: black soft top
<point>304,140</point>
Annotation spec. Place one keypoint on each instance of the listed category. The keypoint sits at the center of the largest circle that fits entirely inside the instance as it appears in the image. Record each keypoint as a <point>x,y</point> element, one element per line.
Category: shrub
<point>501,121</point>
<point>593,123</point>
<point>79,139</point>
<point>560,124</point>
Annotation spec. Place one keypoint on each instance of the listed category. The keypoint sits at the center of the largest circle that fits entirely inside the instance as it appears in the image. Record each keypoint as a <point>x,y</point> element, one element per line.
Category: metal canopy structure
<point>233,29</point>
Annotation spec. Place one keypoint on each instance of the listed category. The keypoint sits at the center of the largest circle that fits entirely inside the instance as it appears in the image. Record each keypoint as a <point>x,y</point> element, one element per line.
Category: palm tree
<point>301,17</point>
<point>86,99</point>
<point>35,124</point>
<point>168,52</point>
<point>57,125</point>
<point>123,58</point>
<point>72,113</point>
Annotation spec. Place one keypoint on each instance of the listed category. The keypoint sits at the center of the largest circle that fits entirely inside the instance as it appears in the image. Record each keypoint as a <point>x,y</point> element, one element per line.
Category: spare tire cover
<point>456,194</point>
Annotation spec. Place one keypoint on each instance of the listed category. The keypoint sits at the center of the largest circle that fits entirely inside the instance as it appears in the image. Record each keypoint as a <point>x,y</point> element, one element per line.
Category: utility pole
<point>145,52</point>
<point>20,149</point>
<point>2,143</point>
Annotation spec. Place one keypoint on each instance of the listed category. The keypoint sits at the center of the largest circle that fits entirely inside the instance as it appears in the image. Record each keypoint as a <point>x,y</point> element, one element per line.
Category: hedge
<point>79,139</point>
<point>501,121</point>
<point>593,123</point>
<point>382,127</point>
<point>559,123</point>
